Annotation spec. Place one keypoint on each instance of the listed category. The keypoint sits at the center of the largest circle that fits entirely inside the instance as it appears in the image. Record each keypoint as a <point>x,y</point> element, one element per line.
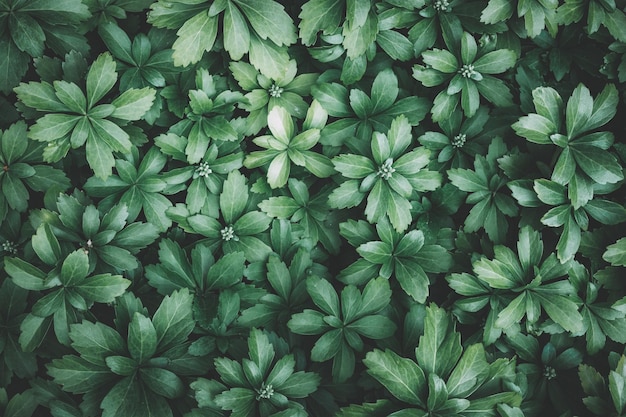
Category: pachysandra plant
<point>485,185</point>
<point>343,322</point>
<point>29,27</point>
<point>468,74</point>
<point>315,208</point>
<point>284,146</point>
<point>445,379</point>
<point>388,174</point>
<point>22,167</point>
<point>534,282</point>
<point>73,289</point>
<point>405,257</point>
<point>241,228</point>
<point>263,93</point>
<point>136,367</point>
<point>77,118</point>
<point>361,114</point>
<point>108,238</point>
<point>310,212</point>
<point>264,384</point>
<point>582,157</point>
<point>261,30</point>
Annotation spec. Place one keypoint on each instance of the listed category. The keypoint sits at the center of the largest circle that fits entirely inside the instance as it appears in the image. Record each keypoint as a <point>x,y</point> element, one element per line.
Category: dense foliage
<point>349,208</point>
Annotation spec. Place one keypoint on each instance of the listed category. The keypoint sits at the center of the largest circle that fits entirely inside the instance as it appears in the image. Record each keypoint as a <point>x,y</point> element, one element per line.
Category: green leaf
<point>496,62</point>
<point>441,60</point>
<point>309,322</point>
<point>94,341</point>
<point>236,33</point>
<point>412,279</point>
<point>269,20</point>
<point>226,272</point>
<point>133,104</point>
<point>299,384</point>
<point>615,254</point>
<point>195,36</point>
<point>13,65</point>
<point>162,382</point>
<point>535,128</point>
<point>75,268</point>
<point>323,295</point>
<point>327,346</point>
<point>173,320</point>
<point>76,375</point>
<point>142,338</point>
<point>374,327</point>
<point>550,192</point>
<point>100,158</point>
<point>318,15</point>
<point>404,379</point>
<point>562,310</point>
<point>260,350</point>
<point>270,59</point>
<point>601,166</point>
<point>103,288</point>
<point>606,211</point>
<point>471,371</point>
<point>578,112</point>
<point>231,202</point>
<point>497,11</point>
<point>100,78</point>
<point>24,275</point>
<point>46,245</point>
<point>439,347</point>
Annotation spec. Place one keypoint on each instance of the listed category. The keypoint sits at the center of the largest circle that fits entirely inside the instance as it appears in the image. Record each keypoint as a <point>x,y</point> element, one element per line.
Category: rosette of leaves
<point>582,157</point>
<point>605,13</point>
<point>606,396</point>
<point>139,184</point>
<point>445,379</point>
<point>537,14</point>
<point>109,240</point>
<point>13,309</point>
<point>241,228</point>
<point>262,29</point>
<point>308,212</point>
<point>287,296</point>
<point>29,27</point>
<point>110,11</point>
<point>565,212</point>
<point>359,114</point>
<point>146,61</point>
<point>349,27</point>
<point>433,20</point>
<point>549,371</point>
<point>533,282</point>
<point>207,177</point>
<point>68,289</point>
<point>75,119</point>
<point>453,146</point>
<point>263,384</point>
<point>406,257</point>
<point>217,286</point>
<point>284,147</point>
<point>602,317</point>
<point>264,93</point>
<point>21,168</point>
<point>486,184</point>
<point>388,176</point>
<point>343,322</point>
<point>135,368</point>
<point>211,105</point>
<point>468,73</point>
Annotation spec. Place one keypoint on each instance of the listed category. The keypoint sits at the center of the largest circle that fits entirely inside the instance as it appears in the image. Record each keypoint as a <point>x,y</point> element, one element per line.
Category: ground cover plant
<point>277,208</point>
